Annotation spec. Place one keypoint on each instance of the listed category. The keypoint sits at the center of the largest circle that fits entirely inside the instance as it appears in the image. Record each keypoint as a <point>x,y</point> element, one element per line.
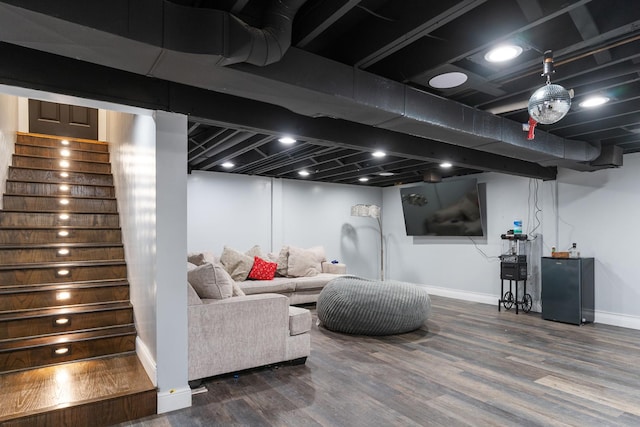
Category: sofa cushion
<point>312,283</point>
<point>305,262</point>
<point>299,320</point>
<point>237,290</point>
<point>192,296</point>
<point>199,258</point>
<point>262,270</point>
<point>237,264</point>
<point>211,281</point>
<point>278,285</point>
<point>281,258</point>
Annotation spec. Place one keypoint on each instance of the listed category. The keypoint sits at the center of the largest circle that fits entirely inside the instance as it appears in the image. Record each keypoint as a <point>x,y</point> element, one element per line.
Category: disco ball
<point>549,104</point>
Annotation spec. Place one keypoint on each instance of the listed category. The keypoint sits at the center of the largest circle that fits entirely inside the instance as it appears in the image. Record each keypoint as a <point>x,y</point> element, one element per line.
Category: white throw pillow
<point>211,281</point>
<point>281,259</point>
<point>199,258</point>
<point>237,264</point>
<point>305,262</point>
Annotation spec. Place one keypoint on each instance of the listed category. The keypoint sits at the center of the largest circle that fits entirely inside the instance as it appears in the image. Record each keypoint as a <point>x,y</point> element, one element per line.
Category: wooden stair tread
<point>31,168</point>
<point>63,286</point>
<point>65,196</point>
<point>62,245</point>
<point>59,147</point>
<point>63,264</point>
<point>31,156</point>
<point>56,228</point>
<point>21,135</point>
<point>86,384</point>
<point>66,309</point>
<point>58,170</point>
<point>56,183</point>
<point>66,338</point>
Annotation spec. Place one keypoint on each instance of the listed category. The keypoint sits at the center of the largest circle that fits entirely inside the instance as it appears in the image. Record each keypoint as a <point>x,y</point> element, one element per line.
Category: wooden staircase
<point>64,295</point>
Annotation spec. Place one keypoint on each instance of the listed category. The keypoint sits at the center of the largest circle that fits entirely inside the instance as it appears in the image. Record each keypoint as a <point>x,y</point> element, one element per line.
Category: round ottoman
<point>360,306</point>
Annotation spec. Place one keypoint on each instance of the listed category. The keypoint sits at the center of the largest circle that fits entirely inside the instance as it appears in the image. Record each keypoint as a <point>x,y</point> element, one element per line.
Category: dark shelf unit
<point>568,290</point>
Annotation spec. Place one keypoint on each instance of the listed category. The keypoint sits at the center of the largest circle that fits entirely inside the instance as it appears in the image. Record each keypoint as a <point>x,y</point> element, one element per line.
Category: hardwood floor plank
<point>470,365</point>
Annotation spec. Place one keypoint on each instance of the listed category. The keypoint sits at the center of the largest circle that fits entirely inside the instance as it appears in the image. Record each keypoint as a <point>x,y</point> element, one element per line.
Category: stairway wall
<point>148,159</point>
<point>8,128</point>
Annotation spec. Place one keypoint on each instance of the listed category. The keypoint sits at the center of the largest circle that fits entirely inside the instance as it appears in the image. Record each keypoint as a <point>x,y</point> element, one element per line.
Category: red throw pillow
<point>262,270</point>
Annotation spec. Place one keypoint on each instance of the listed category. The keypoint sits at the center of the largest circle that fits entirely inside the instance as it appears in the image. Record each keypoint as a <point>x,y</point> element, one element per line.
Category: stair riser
<point>19,277</point>
<point>43,175</point>
<point>55,142</point>
<point>44,356</point>
<point>56,153</point>
<point>28,219</point>
<point>46,325</point>
<point>50,298</point>
<point>45,189</point>
<point>35,203</point>
<point>54,164</point>
<point>16,237</point>
<point>44,255</point>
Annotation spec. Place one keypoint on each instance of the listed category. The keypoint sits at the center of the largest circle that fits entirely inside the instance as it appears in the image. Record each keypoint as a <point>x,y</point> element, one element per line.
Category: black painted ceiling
<point>596,47</point>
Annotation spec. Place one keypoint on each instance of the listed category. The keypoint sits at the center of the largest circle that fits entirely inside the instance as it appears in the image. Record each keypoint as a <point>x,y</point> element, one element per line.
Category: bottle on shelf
<point>573,252</point>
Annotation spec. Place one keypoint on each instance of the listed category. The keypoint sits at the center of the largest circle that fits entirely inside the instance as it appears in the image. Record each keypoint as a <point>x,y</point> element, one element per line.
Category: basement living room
<point>197,166</point>
<point>469,364</point>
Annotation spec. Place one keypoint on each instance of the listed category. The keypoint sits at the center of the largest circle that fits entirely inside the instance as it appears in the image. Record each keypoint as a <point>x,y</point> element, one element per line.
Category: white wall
<point>8,129</point>
<point>132,146</point>
<point>461,267</point>
<point>242,211</point>
<point>599,211</point>
<point>148,156</point>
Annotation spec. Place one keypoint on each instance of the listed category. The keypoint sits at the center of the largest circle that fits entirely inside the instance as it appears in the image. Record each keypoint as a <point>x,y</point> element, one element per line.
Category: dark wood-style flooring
<point>470,366</point>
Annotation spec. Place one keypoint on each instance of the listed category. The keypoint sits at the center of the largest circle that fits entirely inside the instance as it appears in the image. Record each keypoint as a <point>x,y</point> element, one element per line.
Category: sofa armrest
<point>237,333</point>
<point>339,268</point>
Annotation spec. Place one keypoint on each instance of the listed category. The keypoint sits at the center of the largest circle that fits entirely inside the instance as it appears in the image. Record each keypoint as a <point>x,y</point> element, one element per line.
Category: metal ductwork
<point>187,45</point>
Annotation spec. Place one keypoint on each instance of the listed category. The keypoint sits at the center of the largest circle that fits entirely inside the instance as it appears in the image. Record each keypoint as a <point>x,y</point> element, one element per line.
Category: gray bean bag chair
<point>354,305</point>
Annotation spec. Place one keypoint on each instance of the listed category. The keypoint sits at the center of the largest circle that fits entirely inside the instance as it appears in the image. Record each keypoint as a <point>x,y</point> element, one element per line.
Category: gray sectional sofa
<point>242,324</point>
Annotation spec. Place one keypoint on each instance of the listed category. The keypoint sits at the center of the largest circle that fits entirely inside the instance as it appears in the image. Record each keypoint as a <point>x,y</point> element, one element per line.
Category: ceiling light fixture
<point>386,174</point>
<point>445,165</point>
<point>378,154</point>
<point>303,173</point>
<point>363,179</point>
<point>287,140</point>
<point>227,165</point>
<point>503,53</point>
<point>448,80</point>
<point>594,101</point>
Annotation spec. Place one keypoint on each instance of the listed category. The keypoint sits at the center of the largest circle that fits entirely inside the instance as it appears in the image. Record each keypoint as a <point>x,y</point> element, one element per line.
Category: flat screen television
<point>449,208</point>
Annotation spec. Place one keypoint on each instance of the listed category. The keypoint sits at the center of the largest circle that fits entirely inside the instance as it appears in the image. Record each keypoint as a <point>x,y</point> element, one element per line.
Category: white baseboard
<point>463,295</point>
<point>615,319</point>
<point>173,399</point>
<point>147,360</point>
<point>603,317</point>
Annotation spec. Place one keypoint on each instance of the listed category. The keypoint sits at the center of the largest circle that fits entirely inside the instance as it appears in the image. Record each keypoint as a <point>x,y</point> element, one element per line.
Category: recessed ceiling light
<point>378,154</point>
<point>303,173</point>
<point>448,80</point>
<point>286,140</point>
<point>594,101</point>
<point>363,179</point>
<point>386,174</point>
<point>227,165</point>
<point>503,53</point>
<point>445,165</point>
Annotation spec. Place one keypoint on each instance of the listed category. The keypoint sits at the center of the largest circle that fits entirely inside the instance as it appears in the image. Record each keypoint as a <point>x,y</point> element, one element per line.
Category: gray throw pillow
<point>211,281</point>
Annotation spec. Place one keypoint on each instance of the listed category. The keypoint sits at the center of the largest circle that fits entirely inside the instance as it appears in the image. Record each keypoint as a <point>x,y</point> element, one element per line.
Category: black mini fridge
<point>567,289</point>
